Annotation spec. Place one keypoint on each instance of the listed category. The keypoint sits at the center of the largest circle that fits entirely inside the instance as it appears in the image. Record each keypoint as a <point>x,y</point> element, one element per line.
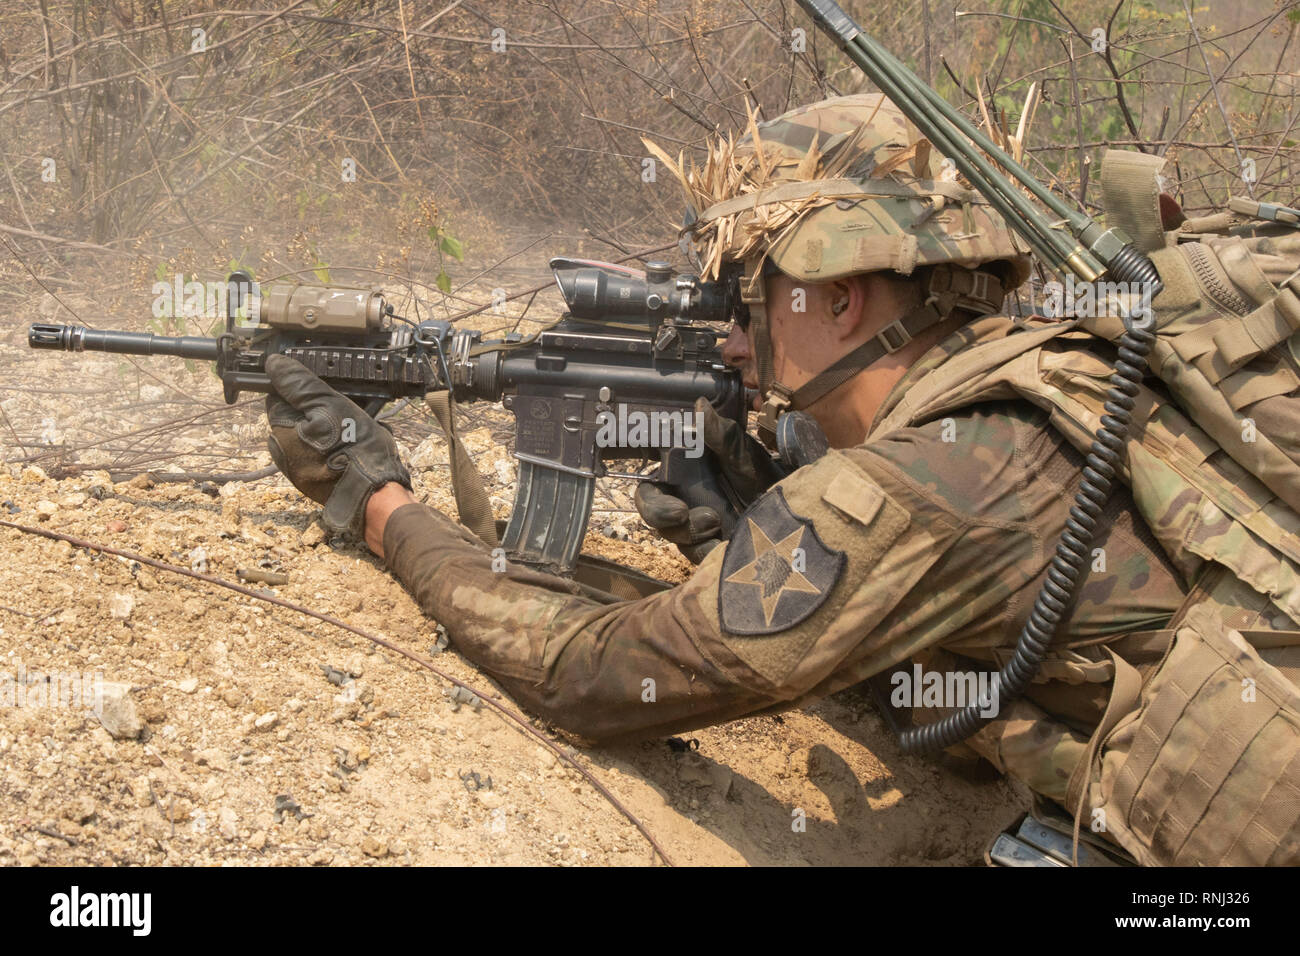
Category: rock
<point>116,526</point>
<point>313,536</point>
<point>80,810</point>
<point>178,810</point>
<point>294,705</point>
<point>188,686</point>
<point>372,847</point>
<point>210,757</point>
<point>121,604</point>
<point>233,696</point>
<point>227,824</point>
<point>321,857</point>
<point>33,474</point>
<point>117,712</point>
<point>257,841</point>
<point>141,482</point>
<point>356,665</point>
<point>142,792</point>
<point>44,509</point>
<point>490,799</point>
<point>74,500</point>
<point>428,453</point>
<point>266,721</point>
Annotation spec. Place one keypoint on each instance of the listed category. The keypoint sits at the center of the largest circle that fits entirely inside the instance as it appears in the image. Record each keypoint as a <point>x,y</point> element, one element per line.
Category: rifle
<point>633,346</point>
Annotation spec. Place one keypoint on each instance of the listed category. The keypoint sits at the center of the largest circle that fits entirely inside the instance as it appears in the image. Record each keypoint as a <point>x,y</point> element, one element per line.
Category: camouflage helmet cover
<point>836,188</point>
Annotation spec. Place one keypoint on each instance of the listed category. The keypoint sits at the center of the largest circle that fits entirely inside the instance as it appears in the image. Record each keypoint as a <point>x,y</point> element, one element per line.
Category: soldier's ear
<point>847,301</point>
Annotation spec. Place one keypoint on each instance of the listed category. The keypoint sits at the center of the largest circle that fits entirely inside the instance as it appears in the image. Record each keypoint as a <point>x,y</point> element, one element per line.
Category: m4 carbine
<point>633,346</point>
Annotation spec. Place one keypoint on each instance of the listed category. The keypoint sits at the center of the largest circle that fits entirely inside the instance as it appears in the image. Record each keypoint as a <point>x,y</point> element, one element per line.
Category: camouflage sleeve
<point>817,558</point>
<point>840,571</point>
<point>603,671</point>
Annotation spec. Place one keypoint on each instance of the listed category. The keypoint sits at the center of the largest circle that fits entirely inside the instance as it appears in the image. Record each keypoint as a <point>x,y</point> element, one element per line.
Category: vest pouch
<point>1201,766</point>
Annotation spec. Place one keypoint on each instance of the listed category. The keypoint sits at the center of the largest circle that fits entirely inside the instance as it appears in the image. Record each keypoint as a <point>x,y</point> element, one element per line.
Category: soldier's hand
<point>744,463</point>
<point>331,450</point>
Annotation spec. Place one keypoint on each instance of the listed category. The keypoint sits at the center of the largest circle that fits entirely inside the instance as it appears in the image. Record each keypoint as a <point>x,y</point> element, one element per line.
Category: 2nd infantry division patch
<point>776,570</point>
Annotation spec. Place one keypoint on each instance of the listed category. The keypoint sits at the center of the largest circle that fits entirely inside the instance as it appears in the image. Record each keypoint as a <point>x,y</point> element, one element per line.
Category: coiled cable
<point>1068,567</point>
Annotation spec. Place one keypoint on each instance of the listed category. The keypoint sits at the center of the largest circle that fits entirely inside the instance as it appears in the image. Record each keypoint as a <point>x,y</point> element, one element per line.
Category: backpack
<point>1197,758</point>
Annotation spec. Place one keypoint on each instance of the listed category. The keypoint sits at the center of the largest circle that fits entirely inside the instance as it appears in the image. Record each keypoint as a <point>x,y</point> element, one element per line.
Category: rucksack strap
<point>1131,196</point>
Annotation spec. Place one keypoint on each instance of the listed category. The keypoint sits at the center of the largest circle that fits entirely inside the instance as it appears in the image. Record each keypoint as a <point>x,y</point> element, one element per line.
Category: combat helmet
<point>838,188</point>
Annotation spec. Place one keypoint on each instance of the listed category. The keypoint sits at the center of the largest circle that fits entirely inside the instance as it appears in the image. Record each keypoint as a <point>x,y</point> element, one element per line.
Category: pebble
<point>313,536</point>
<point>266,721</point>
<point>356,665</point>
<point>227,823</point>
<point>372,847</point>
<point>121,604</point>
<point>45,509</point>
<point>116,526</point>
<point>118,713</point>
<point>188,686</point>
<point>257,840</point>
<point>80,810</point>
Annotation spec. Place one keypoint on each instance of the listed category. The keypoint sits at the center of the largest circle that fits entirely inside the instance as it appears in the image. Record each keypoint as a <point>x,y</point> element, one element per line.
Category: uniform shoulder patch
<point>776,570</point>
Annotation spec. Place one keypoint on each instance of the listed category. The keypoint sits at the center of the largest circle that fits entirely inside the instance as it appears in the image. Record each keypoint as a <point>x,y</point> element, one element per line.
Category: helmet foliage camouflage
<point>836,188</point>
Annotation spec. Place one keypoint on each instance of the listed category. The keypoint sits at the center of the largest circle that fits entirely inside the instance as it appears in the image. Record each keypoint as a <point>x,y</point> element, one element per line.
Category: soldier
<point>914,541</point>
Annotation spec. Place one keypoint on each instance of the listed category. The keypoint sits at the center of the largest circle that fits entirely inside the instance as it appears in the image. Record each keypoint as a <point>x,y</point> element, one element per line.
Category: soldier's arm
<point>844,569</point>
<point>819,560</point>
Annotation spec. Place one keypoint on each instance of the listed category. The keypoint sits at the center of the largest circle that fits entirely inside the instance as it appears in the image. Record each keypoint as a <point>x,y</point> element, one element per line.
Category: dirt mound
<point>269,737</point>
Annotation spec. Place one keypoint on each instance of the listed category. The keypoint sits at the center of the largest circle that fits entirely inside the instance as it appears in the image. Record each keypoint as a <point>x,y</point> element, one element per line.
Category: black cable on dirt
<point>505,711</point>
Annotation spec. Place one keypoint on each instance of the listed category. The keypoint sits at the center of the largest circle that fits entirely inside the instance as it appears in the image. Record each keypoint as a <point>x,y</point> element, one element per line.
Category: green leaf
<point>452,246</point>
<point>1293,15</point>
<point>443,281</point>
<point>322,272</point>
<point>160,273</point>
<point>433,233</point>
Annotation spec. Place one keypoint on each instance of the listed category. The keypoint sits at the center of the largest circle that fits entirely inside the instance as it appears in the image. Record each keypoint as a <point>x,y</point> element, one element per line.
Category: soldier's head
<point>851,243</point>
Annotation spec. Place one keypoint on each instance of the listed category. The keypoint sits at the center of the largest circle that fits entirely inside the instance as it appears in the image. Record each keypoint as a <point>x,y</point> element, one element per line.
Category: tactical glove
<point>741,460</point>
<point>331,450</point>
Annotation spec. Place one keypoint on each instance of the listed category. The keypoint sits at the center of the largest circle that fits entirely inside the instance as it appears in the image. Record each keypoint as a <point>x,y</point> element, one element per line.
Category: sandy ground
<point>267,737</point>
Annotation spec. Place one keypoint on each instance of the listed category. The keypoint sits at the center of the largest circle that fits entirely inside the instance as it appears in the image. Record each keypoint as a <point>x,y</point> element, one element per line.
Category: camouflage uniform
<point>910,541</point>
<point>928,541</point>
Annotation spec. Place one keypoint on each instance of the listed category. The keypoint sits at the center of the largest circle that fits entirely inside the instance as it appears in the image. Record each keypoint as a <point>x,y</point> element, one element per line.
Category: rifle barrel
<point>78,338</point>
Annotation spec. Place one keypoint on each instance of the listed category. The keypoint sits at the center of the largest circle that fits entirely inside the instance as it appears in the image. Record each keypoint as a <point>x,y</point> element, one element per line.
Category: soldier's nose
<point>735,350</point>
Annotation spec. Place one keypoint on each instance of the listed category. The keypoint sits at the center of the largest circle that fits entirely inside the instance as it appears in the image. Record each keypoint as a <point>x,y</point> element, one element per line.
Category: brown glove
<point>331,450</point>
<point>741,459</point>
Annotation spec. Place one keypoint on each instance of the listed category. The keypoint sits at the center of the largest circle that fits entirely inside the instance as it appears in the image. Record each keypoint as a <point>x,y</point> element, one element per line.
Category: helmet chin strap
<point>949,287</point>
